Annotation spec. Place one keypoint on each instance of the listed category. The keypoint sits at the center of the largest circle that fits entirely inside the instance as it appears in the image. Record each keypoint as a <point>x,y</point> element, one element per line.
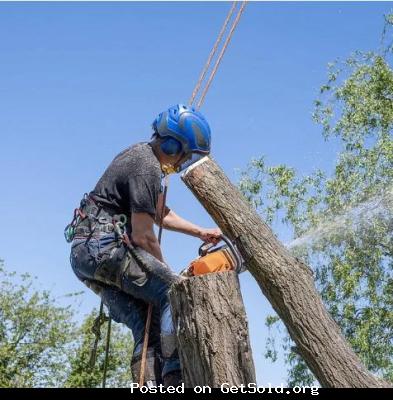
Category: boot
<point>173,378</point>
<point>171,361</point>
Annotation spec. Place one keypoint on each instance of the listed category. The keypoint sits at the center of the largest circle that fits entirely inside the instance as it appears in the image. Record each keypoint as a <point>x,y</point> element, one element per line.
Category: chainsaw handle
<point>239,262</point>
<point>205,247</point>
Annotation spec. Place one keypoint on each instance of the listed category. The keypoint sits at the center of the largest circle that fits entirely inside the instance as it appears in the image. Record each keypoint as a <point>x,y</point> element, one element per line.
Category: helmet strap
<point>168,169</point>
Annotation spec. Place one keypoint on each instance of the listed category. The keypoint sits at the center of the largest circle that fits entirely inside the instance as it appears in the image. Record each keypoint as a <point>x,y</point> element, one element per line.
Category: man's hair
<point>155,135</point>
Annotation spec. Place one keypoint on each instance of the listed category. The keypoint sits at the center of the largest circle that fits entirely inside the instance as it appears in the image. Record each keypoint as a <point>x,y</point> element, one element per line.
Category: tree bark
<point>286,281</point>
<point>212,330</point>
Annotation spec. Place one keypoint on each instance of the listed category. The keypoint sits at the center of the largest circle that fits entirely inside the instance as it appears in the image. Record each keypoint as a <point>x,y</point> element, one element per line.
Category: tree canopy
<point>342,219</point>
<point>44,344</point>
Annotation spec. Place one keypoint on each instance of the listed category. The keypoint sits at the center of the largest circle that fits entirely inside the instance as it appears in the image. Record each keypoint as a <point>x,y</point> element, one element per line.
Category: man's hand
<point>212,235</point>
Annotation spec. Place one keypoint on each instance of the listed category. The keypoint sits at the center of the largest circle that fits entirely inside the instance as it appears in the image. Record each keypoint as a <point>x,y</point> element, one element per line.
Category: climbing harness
<point>91,219</point>
<point>69,230</point>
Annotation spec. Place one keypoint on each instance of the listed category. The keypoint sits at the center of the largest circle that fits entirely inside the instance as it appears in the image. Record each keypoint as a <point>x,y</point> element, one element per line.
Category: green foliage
<point>343,219</point>
<point>118,372</point>
<point>35,334</point>
<point>42,346</point>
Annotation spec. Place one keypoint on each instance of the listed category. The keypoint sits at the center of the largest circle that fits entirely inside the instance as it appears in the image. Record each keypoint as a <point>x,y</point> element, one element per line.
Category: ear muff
<point>171,146</point>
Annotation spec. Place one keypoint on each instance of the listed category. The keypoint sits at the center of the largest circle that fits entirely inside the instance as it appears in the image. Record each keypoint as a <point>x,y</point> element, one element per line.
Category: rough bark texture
<point>284,280</point>
<point>212,330</point>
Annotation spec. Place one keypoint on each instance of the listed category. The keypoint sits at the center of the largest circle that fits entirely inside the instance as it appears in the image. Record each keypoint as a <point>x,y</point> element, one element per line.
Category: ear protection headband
<point>170,146</point>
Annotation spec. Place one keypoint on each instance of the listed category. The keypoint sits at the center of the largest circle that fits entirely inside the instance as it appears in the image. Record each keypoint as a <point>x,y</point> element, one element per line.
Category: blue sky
<point>81,81</point>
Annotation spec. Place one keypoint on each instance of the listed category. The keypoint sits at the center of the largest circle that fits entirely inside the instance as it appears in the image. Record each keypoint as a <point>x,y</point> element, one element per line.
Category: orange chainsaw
<point>215,259</point>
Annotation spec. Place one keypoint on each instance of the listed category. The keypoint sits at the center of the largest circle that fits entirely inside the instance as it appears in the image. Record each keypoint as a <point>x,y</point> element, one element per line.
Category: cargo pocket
<point>133,272</point>
<point>114,262</point>
<point>109,265</point>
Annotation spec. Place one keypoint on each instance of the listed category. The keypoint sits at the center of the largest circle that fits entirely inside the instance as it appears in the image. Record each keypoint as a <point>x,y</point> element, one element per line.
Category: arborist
<point>115,251</point>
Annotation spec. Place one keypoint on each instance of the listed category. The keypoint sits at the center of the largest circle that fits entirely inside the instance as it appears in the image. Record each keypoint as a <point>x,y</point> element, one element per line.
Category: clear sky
<point>81,81</point>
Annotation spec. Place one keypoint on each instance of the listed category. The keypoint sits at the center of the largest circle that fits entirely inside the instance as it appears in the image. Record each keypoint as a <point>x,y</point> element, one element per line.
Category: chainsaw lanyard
<point>150,308</point>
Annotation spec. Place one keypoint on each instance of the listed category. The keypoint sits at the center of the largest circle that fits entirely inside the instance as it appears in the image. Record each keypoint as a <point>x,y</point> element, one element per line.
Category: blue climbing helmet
<point>184,131</point>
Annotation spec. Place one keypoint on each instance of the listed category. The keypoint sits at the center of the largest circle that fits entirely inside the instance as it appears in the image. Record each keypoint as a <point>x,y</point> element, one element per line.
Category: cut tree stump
<point>212,330</point>
<point>286,281</point>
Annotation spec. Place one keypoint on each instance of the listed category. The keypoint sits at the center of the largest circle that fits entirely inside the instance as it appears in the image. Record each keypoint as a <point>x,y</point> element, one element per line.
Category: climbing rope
<point>108,338</point>
<point>96,329</point>
<point>101,317</point>
<point>193,96</point>
<point>150,307</point>
<point>220,56</point>
<point>212,53</point>
<point>145,344</point>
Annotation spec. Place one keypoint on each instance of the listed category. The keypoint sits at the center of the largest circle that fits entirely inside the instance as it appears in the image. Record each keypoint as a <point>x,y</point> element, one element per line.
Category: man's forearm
<point>175,223</point>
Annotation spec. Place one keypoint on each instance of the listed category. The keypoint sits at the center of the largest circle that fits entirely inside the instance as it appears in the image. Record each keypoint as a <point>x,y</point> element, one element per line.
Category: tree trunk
<point>286,282</point>
<point>212,330</point>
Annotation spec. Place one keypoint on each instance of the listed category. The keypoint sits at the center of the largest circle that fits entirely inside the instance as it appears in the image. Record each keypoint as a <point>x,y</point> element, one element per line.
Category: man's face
<point>170,164</point>
<point>178,163</point>
<point>189,160</point>
<point>174,163</point>
<point>181,159</point>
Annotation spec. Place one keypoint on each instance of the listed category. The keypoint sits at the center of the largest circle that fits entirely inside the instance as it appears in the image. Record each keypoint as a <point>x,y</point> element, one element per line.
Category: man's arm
<point>143,234</point>
<point>174,222</point>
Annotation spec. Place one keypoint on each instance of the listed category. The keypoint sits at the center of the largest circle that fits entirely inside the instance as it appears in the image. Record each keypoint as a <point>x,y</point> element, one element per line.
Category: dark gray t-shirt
<point>132,182</point>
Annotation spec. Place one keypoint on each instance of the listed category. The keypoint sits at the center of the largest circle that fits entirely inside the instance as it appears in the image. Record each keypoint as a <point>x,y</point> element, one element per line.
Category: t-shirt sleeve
<point>143,193</point>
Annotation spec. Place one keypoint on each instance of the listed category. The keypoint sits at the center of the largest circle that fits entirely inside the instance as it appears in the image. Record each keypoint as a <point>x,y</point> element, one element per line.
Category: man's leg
<point>140,275</point>
<point>155,291</point>
<point>132,312</point>
<point>86,258</point>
